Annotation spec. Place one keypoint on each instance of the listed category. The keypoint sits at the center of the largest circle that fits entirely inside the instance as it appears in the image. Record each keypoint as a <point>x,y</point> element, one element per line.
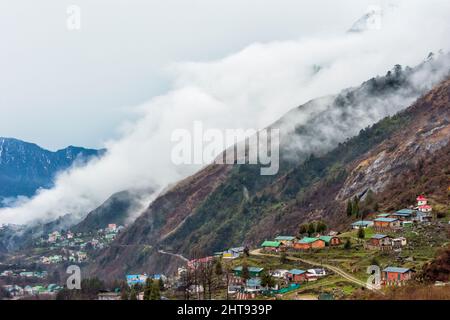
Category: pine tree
<point>321,227</point>
<point>218,268</point>
<point>133,294</point>
<point>267,280</point>
<point>355,207</point>
<point>361,233</point>
<point>303,229</point>
<point>347,245</point>
<point>245,274</point>
<point>155,293</point>
<point>311,229</point>
<point>148,289</point>
<point>283,257</point>
<point>349,208</point>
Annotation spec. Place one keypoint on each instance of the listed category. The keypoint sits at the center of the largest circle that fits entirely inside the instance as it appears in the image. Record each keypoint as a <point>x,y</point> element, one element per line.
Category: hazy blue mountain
<point>25,167</point>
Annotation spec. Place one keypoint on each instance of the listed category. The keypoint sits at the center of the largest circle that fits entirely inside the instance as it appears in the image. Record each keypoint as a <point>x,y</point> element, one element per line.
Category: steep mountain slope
<point>26,167</point>
<point>222,206</point>
<point>116,210</point>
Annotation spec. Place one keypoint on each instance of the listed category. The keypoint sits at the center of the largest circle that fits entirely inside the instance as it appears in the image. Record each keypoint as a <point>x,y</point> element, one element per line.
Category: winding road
<point>174,255</point>
<point>335,269</point>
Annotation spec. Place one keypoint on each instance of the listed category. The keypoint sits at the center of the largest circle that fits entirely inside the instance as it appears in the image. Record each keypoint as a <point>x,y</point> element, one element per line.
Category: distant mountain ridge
<point>25,167</point>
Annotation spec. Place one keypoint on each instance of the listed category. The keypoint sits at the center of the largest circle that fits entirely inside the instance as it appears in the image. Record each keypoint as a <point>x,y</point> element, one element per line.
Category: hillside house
<point>280,273</point>
<point>317,272</point>
<point>54,236</point>
<point>331,241</point>
<point>232,253</point>
<point>362,224</point>
<point>14,290</point>
<point>395,275</point>
<point>399,242</point>
<point>425,208</point>
<point>287,241</point>
<point>403,215</point>
<point>253,285</point>
<point>273,246</point>
<point>296,275</point>
<point>133,279</point>
<point>333,233</point>
<point>380,241</point>
<point>386,223</point>
<point>423,217</point>
<point>309,243</point>
<point>421,200</point>
<point>253,271</point>
<point>109,296</point>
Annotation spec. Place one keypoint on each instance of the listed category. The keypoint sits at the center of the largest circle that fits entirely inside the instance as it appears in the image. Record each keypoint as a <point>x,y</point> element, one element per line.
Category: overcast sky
<point>61,87</point>
<point>139,70</point>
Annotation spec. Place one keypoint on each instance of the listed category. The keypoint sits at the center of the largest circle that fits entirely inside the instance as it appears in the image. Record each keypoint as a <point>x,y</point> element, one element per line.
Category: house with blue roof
<point>133,279</point>
<point>387,223</point>
<point>396,275</point>
<point>403,215</point>
<point>253,285</point>
<point>296,275</point>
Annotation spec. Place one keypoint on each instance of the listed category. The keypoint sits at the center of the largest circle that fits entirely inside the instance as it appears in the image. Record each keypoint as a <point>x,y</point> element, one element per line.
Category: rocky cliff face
<point>423,137</point>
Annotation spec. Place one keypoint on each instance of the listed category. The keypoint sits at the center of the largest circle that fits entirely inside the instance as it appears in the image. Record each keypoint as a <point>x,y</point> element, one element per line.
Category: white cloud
<point>248,89</point>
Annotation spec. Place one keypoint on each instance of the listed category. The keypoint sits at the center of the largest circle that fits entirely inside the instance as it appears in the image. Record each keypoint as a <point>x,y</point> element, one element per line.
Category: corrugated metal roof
<point>362,223</point>
<point>309,240</point>
<point>386,219</point>
<point>410,211</point>
<point>379,236</point>
<point>296,271</point>
<point>274,244</point>
<point>396,269</point>
<point>285,238</point>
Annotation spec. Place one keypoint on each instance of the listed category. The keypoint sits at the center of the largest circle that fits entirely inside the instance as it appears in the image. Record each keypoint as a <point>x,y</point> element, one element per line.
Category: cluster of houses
<point>19,292</point>
<point>141,279</point>
<point>286,280</point>
<point>422,212</point>
<point>282,243</point>
<point>394,222</point>
<point>70,239</point>
<point>75,245</point>
<point>24,274</point>
<point>70,256</point>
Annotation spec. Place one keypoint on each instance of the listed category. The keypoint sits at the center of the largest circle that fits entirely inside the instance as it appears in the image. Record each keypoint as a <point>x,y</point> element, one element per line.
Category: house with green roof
<point>271,245</point>
<point>253,271</point>
<point>331,241</point>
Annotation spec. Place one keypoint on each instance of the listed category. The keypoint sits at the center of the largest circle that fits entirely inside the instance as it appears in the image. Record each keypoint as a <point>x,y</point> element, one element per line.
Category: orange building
<point>395,275</point>
<point>309,243</point>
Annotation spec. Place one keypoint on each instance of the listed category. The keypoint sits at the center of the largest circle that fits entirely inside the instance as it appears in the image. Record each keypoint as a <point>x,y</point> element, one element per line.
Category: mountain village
<point>314,264</point>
